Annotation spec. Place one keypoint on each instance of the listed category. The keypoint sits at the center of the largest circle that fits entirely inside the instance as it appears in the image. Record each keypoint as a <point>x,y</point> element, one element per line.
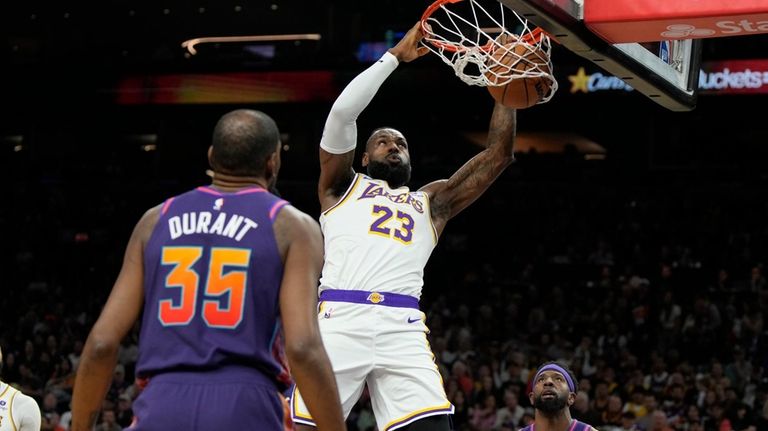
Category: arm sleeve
<point>340,133</point>
<point>26,413</point>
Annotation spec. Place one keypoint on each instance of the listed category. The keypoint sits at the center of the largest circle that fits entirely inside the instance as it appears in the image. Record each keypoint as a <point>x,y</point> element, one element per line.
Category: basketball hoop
<point>474,42</point>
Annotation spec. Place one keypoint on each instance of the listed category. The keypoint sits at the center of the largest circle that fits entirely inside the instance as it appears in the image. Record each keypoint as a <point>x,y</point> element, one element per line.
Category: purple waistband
<point>372,298</point>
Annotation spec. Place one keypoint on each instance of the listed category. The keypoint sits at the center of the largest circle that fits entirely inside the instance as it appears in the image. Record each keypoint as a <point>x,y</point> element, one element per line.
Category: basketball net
<point>463,40</point>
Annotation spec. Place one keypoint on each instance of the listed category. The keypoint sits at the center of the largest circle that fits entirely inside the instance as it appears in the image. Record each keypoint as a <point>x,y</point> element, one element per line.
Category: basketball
<point>514,59</point>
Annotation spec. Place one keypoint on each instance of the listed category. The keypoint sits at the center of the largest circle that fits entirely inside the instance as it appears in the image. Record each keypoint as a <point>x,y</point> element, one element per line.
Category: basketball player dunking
<point>378,238</point>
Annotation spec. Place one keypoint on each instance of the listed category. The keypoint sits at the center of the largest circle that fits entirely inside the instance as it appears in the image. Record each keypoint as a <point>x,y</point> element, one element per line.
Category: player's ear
<point>210,156</point>
<point>366,160</point>
<point>270,168</point>
<point>571,398</point>
<point>530,397</point>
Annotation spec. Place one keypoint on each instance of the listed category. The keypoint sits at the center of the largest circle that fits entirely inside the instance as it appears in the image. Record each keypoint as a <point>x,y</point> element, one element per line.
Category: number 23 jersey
<point>377,239</point>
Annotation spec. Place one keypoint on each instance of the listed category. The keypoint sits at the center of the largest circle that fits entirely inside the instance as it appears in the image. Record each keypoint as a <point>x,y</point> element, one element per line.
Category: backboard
<point>671,81</point>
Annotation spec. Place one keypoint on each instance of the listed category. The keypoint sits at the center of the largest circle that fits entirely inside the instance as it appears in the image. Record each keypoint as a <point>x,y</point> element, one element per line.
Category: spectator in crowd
<point>510,414</point>
<point>484,413</point>
<point>582,411</point>
<point>108,421</point>
<point>659,422</point>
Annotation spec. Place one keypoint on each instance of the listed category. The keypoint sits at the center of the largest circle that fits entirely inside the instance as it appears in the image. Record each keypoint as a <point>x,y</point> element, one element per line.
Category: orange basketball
<point>521,92</point>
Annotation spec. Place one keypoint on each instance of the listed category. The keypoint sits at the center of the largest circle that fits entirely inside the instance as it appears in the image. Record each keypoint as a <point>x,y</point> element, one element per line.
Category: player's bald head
<point>242,142</point>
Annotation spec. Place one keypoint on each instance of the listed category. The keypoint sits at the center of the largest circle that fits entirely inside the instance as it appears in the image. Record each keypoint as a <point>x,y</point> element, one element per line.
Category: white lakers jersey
<point>18,412</point>
<point>377,239</point>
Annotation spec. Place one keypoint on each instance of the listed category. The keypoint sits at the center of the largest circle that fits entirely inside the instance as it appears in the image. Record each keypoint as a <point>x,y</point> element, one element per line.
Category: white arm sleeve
<point>340,133</point>
<point>26,413</point>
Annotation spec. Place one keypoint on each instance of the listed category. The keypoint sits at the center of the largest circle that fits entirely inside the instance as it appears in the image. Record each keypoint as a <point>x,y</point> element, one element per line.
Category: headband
<point>559,369</point>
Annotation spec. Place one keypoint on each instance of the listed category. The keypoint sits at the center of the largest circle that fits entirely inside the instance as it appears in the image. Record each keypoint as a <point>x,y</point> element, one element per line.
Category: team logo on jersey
<point>373,190</point>
<point>218,203</point>
<point>375,298</point>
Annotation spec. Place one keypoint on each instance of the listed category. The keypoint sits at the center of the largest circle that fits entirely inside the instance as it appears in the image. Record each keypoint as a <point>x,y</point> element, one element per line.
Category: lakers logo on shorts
<point>375,298</point>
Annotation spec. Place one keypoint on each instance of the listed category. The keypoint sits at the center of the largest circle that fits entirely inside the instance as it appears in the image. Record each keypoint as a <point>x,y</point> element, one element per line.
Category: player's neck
<point>559,422</point>
<point>233,183</point>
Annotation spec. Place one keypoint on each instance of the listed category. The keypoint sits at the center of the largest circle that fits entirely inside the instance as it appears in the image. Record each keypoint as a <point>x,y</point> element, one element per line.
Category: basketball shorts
<point>228,399</point>
<point>385,347</point>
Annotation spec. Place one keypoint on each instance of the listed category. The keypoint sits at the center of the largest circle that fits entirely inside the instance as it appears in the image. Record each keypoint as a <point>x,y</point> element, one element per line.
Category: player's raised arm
<point>451,196</point>
<point>97,365</point>
<point>337,146</point>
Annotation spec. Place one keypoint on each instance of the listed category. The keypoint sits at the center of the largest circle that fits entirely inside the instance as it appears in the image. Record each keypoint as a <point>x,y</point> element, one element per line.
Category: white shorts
<point>386,348</point>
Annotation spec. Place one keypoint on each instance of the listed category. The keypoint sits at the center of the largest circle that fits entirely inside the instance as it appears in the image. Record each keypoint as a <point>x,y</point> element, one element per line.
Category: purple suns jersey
<point>575,426</point>
<point>212,275</point>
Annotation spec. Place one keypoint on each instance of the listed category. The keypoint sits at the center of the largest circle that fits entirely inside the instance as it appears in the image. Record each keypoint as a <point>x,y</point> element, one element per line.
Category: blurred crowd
<point>653,294</point>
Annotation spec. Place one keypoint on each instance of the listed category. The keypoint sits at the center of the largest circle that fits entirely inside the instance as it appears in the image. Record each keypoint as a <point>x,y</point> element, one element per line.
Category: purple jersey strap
<point>575,426</point>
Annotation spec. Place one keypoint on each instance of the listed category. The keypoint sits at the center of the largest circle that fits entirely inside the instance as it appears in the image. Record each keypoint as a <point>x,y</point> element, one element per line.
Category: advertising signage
<point>716,77</point>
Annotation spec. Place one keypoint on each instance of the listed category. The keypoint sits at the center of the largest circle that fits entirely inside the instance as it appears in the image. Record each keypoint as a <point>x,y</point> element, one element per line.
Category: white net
<point>478,44</point>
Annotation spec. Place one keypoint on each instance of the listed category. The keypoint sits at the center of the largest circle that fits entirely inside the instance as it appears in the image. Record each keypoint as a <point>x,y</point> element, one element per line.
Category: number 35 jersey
<point>212,276</point>
<point>377,239</point>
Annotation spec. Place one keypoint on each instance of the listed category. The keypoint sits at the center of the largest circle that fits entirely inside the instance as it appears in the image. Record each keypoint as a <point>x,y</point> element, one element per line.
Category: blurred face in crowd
<point>510,400</point>
<point>649,401</point>
<point>659,420</point>
<point>582,402</point>
<point>693,413</point>
<point>601,390</point>
<point>614,404</point>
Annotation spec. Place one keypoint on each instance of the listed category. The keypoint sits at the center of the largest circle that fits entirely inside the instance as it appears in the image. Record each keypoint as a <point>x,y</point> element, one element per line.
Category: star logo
<point>579,81</point>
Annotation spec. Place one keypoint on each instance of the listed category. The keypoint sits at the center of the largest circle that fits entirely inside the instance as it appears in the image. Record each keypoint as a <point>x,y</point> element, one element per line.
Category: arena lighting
<point>12,139</point>
<point>190,44</point>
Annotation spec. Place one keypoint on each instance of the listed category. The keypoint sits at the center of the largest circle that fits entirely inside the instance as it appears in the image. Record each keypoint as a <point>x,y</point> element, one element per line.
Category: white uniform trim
<point>18,412</point>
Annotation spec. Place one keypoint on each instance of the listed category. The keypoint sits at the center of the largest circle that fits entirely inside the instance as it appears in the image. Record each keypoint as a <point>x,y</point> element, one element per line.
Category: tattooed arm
<point>449,197</point>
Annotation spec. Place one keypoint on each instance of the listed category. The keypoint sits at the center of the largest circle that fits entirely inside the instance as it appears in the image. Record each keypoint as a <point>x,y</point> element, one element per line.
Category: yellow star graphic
<point>579,81</point>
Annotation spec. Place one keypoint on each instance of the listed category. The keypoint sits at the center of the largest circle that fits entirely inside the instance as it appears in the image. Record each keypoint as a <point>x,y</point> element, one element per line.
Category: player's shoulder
<point>25,403</point>
<point>152,212</point>
<point>27,412</point>
<point>289,214</point>
<point>21,397</point>
<point>293,226</point>
<point>150,217</point>
<point>583,426</point>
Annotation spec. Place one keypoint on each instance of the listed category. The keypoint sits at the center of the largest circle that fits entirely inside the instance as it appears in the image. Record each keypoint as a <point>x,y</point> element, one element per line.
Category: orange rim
<point>531,37</point>
<point>488,47</point>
